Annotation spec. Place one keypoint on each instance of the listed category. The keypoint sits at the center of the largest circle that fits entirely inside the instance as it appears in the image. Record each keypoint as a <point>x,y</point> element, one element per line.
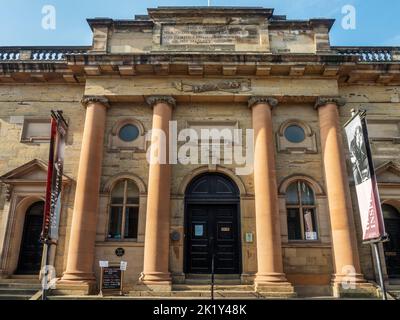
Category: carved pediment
<point>32,172</point>
<point>388,173</point>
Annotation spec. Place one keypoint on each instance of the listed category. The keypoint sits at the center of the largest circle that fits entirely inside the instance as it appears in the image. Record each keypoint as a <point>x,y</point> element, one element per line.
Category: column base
<point>75,288</point>
<point>346,286</point>
<point>4,274</point>
<point>273,285</point>
<point>76,283</point>
<point>78,276</point>
<point>155,281</point>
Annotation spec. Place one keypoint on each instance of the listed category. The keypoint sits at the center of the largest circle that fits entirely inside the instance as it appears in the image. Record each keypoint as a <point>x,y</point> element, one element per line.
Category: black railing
<point>39,53</point>
<point>370,54</point>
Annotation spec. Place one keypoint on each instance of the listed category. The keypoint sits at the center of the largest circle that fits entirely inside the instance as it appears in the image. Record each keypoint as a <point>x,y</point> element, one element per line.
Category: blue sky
<point>377,22</point>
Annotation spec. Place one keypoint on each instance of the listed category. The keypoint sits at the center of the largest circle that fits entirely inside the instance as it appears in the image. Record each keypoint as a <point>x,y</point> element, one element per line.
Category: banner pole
<point>44,276</point>
<point>379,266</point>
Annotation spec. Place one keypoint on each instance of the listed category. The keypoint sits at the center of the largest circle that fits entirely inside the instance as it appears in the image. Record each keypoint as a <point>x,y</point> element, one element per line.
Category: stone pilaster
<point>270,279</point>
<point>156,273</point>
<point>344,242</point>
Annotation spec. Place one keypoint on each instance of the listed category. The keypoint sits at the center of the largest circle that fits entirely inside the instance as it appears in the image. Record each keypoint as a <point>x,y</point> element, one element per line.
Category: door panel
<point>213,229</point>
<point>30,256</point>
<point>392,248</point>
<point>199,234</point>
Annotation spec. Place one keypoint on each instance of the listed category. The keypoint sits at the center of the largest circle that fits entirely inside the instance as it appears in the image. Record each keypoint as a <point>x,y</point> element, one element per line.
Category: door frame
<point>15,211</point>
<point>212,201</point>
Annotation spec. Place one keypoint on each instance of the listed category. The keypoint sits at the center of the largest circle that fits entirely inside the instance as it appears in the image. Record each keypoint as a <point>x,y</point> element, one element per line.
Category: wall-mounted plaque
<point>209,34</point>
<point>119,252</point>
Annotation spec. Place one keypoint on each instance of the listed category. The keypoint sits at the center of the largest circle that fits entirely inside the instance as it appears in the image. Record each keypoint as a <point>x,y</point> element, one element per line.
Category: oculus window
<point>295,134</point>
<point>129,133</point>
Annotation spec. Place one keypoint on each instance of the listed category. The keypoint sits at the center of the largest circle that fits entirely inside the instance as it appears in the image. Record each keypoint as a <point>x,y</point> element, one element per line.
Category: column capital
<point>153,100</point>
<point>323,101</point>
<point>272,102</point>
<point>86,100</point>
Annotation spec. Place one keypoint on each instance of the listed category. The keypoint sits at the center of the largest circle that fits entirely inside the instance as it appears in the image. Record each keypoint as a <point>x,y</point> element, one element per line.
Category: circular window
<point>295,134</point>
<point>128,133</point>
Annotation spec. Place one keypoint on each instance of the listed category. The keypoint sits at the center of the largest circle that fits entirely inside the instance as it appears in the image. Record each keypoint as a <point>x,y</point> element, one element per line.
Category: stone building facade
<point>288,227</point>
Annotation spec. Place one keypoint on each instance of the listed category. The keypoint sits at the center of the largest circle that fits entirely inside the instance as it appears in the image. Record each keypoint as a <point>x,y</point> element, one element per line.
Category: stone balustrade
<point>39,53</point>
<point>371,54</point>
<point>365,54</point>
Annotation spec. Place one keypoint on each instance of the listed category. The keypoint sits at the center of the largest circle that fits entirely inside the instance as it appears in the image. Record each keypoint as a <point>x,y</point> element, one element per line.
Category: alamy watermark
<point>349,20</point>
<point>349,281</point>
<point>49,278</point>
<point>204,146</point>
<point>49,17</point>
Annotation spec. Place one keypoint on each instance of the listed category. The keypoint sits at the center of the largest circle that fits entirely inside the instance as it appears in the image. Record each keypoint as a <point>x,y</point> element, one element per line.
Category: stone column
<point>344,242</point>
<point>156,246</point>
<point>81,250</point>
<point>270,274</point>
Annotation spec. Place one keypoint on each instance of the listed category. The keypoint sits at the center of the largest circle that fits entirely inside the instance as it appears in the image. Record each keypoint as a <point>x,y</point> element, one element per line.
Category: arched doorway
<point>392,248</point>
<point>30,254</point>
<point>212,225</point>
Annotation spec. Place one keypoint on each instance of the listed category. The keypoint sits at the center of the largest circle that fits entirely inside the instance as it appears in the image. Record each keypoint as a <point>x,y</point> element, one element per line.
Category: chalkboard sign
<point>112,278</point>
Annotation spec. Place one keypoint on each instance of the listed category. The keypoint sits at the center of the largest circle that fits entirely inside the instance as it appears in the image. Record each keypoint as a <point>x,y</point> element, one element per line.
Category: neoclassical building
<point>289,226</point>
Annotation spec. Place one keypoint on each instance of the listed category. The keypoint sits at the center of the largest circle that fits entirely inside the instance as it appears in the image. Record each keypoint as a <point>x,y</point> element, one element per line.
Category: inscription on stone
<point>196,34</point>
<point>232,86</point>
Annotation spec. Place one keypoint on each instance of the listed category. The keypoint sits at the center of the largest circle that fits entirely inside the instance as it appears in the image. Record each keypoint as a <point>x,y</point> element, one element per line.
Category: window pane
<point>131,223</point>
<point>310,226</point>
<point>118,193</point>
<point>307,194</point>
<point>129,133</point>
<point>132,193</point>
<point>295,134</point>
<point>292,197</point>
<point>294,225</point>
<point>115,223</point>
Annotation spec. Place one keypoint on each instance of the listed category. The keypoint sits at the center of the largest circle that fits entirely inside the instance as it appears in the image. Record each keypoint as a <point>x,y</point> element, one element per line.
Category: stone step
<point>188,287</point>
<point>18,291</point>
<point>196,294</point>
<point>14,297</point>
<point>124,298</point>
<point>35,286</point>
<point>394,294</point>
<point>20,288</point>
<point>20,280</point>
<point>200,281</point>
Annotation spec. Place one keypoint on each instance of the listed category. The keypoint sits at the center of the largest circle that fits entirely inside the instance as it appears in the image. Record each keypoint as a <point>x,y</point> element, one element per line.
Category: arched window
<point>124,211</point>
<point>300,206</point>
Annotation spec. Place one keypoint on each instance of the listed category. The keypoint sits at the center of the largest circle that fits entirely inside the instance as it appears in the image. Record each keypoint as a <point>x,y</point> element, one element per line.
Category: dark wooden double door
<point>392,248</point>
<point>212,230</point>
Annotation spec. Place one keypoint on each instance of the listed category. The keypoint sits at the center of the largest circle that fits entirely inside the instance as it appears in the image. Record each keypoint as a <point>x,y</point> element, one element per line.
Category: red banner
<point>54,177</point>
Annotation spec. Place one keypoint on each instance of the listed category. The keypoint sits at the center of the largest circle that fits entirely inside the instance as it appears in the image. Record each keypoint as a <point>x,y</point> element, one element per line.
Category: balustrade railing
<point>52,54</point>
<point>370,54</point>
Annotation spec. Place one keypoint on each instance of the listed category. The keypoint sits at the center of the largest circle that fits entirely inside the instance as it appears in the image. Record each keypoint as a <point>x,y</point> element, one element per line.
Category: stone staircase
<point>202,291</point>
<point>19,288</point>
<point>199,287</point>
<point>394,291</point>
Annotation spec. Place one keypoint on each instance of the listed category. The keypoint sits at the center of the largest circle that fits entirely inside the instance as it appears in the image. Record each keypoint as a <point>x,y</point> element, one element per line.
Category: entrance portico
<point>158,261</point>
